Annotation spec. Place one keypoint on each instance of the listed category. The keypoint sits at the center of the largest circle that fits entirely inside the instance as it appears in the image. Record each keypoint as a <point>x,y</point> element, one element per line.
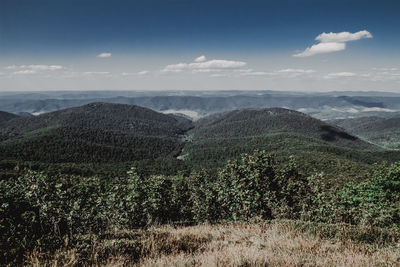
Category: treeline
<point>43,211</point>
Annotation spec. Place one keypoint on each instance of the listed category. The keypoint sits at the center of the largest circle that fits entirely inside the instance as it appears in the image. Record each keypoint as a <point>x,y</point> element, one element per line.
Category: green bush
<point>375,202</point>
<point>204,203</point>
<point>254,186</point>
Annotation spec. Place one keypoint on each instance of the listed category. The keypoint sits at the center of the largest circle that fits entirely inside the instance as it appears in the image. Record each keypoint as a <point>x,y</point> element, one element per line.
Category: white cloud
<point>340,75</point>
<point>385,69</point>
<point>209,65</point>
<point>289,73</point>
<point>257,73</point>
<point>218,64</point>
<point>321,48</point>
<point>96,73</point>
<point>140,73</point>
<point>143,72</point>
<point>342,37</point>
<point>44,67</point>
<point>205,70</point>
<point>296,71</point>
<point>332,42</point>
<point>200,59</point>
<point>36,67</point>
<point>24,72</point>
<point>216,75</point>
<point>104,55</point>
<point>175,67</point>
<point>243,70</point>
<point>384,74</point>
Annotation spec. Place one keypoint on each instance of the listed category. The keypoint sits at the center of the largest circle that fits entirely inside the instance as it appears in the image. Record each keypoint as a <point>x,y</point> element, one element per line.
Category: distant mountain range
<point>325,106</point>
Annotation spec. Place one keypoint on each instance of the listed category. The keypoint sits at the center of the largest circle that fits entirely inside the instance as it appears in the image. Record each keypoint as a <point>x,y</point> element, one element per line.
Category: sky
<point>307,45</point>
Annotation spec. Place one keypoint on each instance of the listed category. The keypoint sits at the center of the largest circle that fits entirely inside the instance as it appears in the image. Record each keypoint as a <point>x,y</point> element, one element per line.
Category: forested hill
<point>97,132</point>
<point>5,116</point>
<point>256,122</point>
<point>381,131</point>
<point>105,116</point>
<point>313,143</point>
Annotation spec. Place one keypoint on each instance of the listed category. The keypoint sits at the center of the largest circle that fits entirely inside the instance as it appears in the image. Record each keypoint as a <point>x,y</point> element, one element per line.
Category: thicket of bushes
<point>38,210</point>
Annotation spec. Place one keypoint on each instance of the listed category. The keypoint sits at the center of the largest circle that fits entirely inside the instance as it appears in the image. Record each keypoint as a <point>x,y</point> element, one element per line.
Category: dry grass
<point>261,244</point>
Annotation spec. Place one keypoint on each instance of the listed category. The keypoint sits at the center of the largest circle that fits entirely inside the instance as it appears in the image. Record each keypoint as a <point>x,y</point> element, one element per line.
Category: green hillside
<point>104,138</point>
<point>316,144</point>
<point>381,131</point>
<point>94,133</point>
<point>5,116</point>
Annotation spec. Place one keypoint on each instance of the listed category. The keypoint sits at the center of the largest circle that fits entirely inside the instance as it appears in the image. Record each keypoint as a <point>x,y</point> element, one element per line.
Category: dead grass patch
<point>276,243</point>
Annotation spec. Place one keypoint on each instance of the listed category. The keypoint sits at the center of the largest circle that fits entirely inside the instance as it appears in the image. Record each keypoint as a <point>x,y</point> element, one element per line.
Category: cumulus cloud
<point>176,67</point>
<point>332,42</point>
<point>200,59</point>
<point>213,64</point>
<point>340,74</point>
<point>321,48</point>
<point>104,55</point>
<point>342,37</point>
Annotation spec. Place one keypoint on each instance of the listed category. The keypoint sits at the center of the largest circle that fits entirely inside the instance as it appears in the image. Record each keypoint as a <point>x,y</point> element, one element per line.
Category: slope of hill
<point>5,116</point>
<point>382,131</point>
<point>314,143</point>
<point>255,122</point>
<point>96,132</point>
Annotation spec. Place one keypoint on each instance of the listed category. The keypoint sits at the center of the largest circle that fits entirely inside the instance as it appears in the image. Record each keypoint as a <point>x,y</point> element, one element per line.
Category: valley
<point>141,167</point>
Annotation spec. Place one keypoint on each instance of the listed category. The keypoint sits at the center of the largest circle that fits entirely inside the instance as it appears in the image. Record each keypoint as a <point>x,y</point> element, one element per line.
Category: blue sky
<point>50,45</point>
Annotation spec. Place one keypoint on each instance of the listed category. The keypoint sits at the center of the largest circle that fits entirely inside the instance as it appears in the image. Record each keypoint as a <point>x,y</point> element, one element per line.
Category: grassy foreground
<point>273,243</point>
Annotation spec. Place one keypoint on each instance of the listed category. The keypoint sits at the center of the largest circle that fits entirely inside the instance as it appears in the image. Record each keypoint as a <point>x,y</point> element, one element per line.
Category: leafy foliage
<point>374,202</point>
<point>44,211</point>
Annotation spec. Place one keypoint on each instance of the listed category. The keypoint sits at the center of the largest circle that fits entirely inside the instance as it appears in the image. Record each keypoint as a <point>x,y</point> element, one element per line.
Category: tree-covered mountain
<point>254,122</point>
<point>382,131</point>
<point>97,132</point>
<point>5,116</point>
<point>283,132</point>
<point>109,135</point>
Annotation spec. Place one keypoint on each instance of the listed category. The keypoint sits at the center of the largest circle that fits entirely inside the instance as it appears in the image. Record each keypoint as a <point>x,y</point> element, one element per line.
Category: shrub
<point>254,186</point>
<point>375,202</point>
